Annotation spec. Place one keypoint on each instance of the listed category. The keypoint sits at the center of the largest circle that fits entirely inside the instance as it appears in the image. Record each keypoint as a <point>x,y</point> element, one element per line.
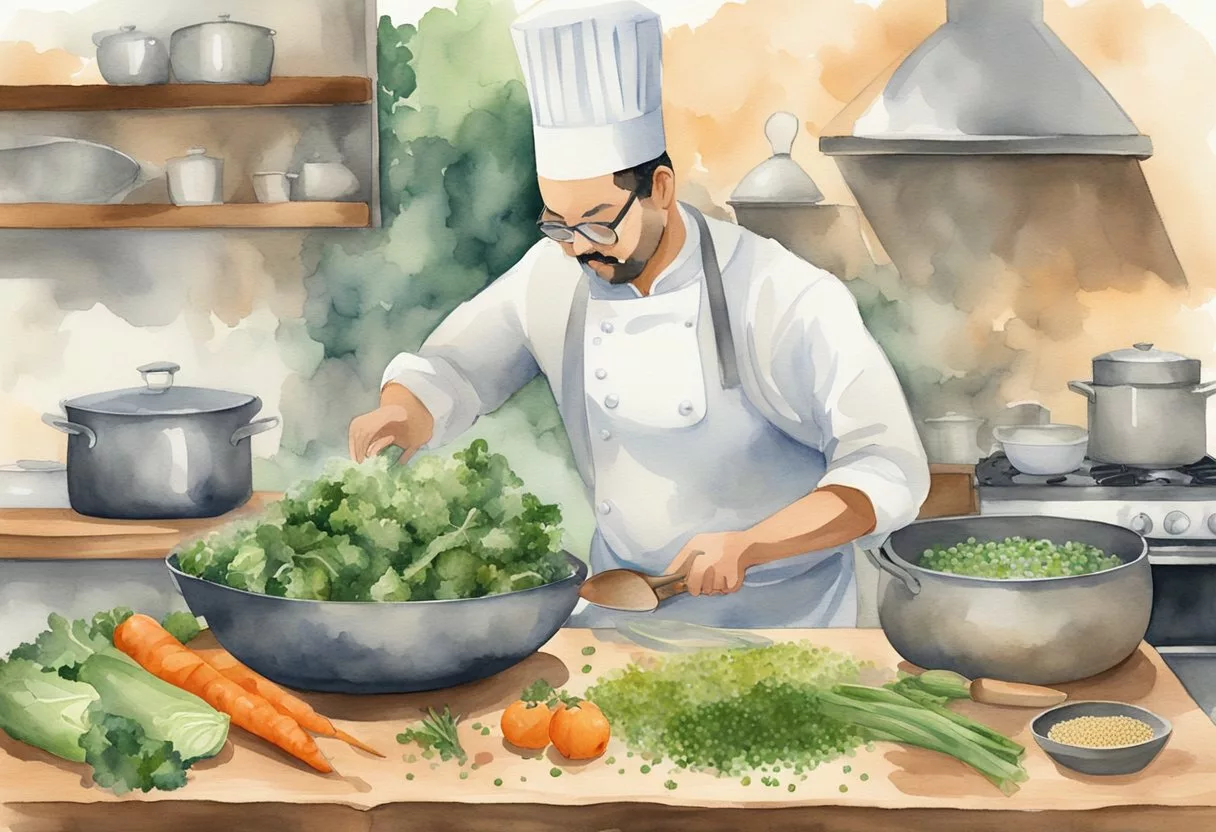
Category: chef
<point>727,409</point>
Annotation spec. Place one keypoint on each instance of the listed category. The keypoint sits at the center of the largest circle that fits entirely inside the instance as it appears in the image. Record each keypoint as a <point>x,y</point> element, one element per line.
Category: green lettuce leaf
<point>44,709</point>
<point>165,712</point>
<point>125,759</point>
<point>183,626</point>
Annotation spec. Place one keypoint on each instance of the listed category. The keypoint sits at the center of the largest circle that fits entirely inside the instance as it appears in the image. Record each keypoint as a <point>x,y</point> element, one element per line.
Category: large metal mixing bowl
<point>392,647</point>
<point>59,169</point>
<point>1039,631</point>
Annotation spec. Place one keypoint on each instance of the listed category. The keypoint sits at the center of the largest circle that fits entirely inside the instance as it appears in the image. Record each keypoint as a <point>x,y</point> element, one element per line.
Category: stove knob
<point>1141,524</point>
<point>1212,523</point>
<point>1177,523</point>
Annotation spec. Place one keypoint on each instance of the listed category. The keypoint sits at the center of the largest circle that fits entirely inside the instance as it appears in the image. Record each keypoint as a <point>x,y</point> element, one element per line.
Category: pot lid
<point>778,180</point>
<point>953,418</point>
<point>34,466</point>
<point>226,20</point>
<point>1144,364</point>
<point>159,397</point>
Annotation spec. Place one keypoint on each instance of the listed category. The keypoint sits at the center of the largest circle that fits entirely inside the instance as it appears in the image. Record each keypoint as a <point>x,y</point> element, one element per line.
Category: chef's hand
<point>715,563</point>
<point>401,420</point>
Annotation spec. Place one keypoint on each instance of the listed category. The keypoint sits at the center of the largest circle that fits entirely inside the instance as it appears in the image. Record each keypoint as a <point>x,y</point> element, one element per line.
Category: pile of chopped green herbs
<point>442,527</point>
<point>788,708</point>
<point>1017,557</point>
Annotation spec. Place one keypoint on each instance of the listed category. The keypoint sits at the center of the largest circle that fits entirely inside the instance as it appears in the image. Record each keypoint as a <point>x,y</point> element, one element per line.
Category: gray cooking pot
<point>222,51</point>
<point>1147,408</point>
<point>159,451</point>
<point>1040,631</point>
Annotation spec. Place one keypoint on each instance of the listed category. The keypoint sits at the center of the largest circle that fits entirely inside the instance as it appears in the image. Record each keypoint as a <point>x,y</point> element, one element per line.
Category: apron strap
<point>728,365</point>
<point>574,389</point>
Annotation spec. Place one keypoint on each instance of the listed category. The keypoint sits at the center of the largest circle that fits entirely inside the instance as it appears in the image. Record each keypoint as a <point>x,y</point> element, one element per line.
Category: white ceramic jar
<point>196,178</point>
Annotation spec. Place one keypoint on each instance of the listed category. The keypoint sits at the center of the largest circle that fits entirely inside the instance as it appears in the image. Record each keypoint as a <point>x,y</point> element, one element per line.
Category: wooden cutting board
<point>62,534</point>
<point>936,792</point>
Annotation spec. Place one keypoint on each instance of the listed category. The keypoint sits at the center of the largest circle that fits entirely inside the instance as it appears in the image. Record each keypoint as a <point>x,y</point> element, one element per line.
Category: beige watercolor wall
<point>78,311</point>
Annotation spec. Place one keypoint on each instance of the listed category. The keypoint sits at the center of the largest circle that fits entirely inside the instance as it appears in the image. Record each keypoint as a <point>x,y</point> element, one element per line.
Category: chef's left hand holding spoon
<point>401,419</point>
<point>715,563</point>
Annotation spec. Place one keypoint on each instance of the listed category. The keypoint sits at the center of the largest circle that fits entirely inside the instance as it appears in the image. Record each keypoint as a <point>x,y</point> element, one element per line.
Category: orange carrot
<point>283,702</point>
<point>159,653</point>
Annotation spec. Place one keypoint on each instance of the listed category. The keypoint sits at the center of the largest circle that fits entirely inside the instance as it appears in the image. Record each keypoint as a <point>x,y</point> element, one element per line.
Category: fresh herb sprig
<point>437,732</point>
<point>541,692</point>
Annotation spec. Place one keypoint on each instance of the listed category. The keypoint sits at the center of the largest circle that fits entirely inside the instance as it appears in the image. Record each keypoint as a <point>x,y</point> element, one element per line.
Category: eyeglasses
<point>599,233</point>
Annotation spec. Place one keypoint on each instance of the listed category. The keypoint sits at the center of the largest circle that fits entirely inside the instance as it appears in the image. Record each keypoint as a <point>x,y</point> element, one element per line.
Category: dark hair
<point>641,177</point>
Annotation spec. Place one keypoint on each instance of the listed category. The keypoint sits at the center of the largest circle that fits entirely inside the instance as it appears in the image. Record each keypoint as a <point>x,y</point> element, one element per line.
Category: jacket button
<point>607,327</point>
<point>597,340</point>
<point>605,435</point>
<point>689,323</point>
<point>611,400</point>
<point>685,408</point>
<point>601,374</point>
<point>604,508</point>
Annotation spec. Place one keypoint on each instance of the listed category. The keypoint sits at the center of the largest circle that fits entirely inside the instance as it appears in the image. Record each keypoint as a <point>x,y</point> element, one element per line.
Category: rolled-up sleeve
<point>834,378</point>
<point>474,360</point>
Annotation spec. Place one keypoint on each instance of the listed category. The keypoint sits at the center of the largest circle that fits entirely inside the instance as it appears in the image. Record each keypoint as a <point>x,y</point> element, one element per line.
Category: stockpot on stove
<point>1147,408</point>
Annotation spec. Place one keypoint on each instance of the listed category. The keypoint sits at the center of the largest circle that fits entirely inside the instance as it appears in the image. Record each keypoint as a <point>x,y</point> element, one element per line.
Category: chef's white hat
<point>594,77</point>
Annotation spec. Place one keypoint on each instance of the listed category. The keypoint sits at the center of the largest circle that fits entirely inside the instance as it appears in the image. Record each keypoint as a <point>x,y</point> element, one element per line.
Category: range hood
<point>994,79</point>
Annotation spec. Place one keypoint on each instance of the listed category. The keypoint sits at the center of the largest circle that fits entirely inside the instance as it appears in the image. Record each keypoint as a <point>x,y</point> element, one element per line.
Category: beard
<point>628,270</point>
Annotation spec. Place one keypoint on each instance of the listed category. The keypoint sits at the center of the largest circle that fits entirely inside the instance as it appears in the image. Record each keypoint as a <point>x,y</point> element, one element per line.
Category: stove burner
<point>996,470</point>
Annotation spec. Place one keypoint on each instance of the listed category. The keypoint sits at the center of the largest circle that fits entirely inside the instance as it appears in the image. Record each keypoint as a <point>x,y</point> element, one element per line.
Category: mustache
<point>596,257</point>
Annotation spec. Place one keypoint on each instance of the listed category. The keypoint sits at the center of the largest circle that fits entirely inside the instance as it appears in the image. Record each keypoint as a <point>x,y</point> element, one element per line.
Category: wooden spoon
<point>1015,694</point>
<point>630,591</point>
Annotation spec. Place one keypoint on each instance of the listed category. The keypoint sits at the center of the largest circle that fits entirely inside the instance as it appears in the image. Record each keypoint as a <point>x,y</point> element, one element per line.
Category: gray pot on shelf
<point>1147,408</point>
<point>222,51</point>
<point>129,57</point>
<point>160,451</point>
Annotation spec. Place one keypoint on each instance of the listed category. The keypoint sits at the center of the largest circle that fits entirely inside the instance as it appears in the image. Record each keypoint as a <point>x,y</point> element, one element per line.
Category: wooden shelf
<point>62,534</point>
<point>153,215</point>
<point>287,91</point>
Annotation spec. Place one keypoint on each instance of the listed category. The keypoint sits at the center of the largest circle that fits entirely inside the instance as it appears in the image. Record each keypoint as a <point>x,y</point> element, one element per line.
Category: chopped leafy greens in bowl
<point>441,528</point>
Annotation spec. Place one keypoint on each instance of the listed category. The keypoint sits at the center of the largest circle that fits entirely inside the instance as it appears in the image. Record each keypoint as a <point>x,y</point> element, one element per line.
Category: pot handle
<point>883,563</point>
<point>1205,389</point>
<point>1083,388</point>
<point>254,428</point>
<point>61,424</point>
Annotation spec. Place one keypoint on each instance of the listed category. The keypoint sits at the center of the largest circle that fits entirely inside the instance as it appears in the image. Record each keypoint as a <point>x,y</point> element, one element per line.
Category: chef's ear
<point>663,187</point>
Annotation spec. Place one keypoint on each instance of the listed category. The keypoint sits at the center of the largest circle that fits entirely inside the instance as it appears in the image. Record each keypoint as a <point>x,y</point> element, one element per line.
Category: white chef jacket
<point>673,452</point>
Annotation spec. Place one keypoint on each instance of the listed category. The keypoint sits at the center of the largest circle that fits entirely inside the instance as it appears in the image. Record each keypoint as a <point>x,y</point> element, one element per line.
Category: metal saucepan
<point>160,451</point>
<point>222,52</point>
<point>1041,631</point>
<point>1147,408</point>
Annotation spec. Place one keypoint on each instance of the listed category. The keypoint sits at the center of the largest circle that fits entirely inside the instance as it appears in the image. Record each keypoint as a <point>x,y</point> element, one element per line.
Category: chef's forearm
<point>824,519</point>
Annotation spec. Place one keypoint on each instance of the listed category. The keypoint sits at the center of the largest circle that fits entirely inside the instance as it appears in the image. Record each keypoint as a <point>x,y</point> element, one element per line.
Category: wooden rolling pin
<point>1014,694</point>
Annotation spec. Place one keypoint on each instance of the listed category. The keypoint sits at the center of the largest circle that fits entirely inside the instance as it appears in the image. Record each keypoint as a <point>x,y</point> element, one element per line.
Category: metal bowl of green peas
<point>1040,600</point>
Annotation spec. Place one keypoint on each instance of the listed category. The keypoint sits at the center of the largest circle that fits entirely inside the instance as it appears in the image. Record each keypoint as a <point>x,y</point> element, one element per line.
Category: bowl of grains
<point>1101,737</point>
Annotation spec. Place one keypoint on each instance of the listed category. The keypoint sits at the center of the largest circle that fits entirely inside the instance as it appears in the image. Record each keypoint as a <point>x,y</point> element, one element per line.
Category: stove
<point>1174,509</point>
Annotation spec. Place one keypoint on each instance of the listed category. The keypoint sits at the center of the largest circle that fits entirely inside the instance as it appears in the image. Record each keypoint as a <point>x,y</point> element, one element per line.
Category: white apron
<point>710,432</point>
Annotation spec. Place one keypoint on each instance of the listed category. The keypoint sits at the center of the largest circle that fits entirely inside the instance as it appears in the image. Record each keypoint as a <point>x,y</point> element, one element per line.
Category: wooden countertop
<point>62,534</point>
<point>252,783</point>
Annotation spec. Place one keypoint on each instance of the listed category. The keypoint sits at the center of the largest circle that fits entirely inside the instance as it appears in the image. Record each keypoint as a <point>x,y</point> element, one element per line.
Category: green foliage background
<point>459,202</point>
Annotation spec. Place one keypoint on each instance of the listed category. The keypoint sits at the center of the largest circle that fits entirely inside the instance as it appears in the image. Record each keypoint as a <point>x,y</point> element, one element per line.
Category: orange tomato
<point>526,725</point>
<point>581,732</point>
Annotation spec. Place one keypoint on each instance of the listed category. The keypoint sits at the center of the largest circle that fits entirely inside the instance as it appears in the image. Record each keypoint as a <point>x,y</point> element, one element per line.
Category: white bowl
<point>1044,450</point>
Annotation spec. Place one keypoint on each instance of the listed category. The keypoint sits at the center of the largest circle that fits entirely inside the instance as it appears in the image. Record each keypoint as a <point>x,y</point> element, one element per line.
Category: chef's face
<point>601,201</point>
